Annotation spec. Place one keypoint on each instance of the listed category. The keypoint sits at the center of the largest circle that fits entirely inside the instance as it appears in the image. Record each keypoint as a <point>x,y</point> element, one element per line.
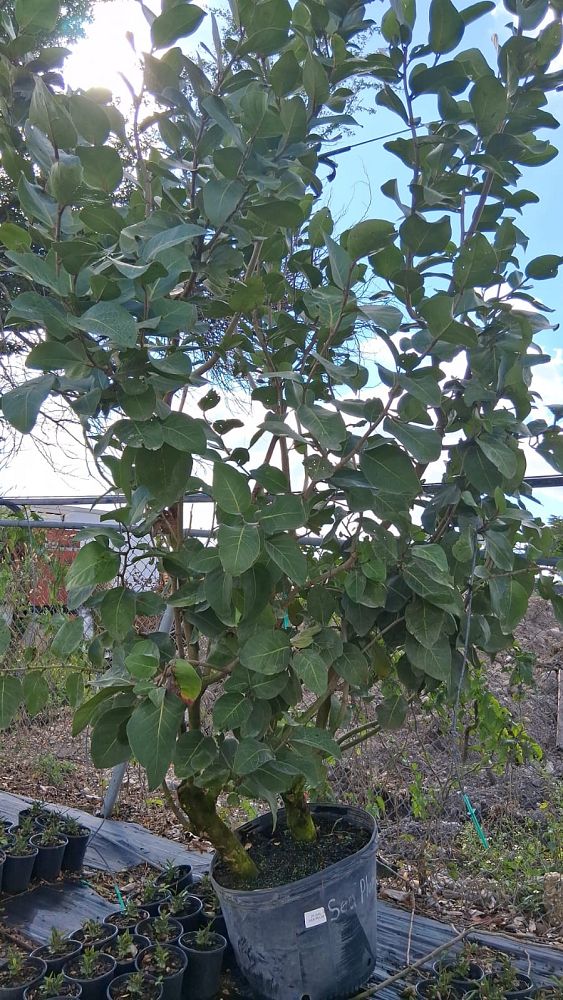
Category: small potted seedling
<point>514,985</point>
<point>58,950</point>
<point>167,963</point>
<point>93,971</point>
<point>36,814</point>
<point>51,845</point>
<point>134,986</point>
<point>211,908</point>
<point>151,895</point>
<point>440,986</point>
<point>205,950</point>
<point>78,837</point>
<point>18,863</point>
<point>175,878</point>
<point>18,972</point>
<point>53,987</point>
<point>466,973</point>
<point>160,930</point>
<point>127,918</point>
<point>125,948</point>
<point>185,908</point>
<point>95,934</point>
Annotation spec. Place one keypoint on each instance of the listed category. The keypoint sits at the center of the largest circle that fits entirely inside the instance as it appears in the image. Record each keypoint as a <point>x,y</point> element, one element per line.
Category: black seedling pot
<point>112,990</point>
<point>172,984</point>
<point>110,934</point>
<point>524,988</point>
<point>17,871</point>
<point>118,919</point>
<point>315,937</point>
<point>37,970</point>
<point>73,858</point>
<point>153,905</point>
<point>39,821</point>
<point>204,966</point>
<point>462,983</point>
<point>146,927</point>
<point>190,918</point>
<point>177,880</point>
<point>55,963</point>
<point>49,859</point>
<point>92,989</point>
<point>73,991</point>
<point>125,965</point>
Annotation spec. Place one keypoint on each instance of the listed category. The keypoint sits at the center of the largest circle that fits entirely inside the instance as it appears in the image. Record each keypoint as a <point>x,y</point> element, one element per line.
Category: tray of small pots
<point>43,843</point>
<point>464,976</point>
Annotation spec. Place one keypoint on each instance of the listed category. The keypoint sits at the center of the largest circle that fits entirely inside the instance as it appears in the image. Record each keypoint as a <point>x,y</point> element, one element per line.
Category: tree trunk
<point>201,808</point>
<point>299,820</point>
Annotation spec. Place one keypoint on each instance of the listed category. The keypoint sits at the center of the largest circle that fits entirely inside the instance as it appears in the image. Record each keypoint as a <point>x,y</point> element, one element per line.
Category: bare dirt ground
<point>410,780</point>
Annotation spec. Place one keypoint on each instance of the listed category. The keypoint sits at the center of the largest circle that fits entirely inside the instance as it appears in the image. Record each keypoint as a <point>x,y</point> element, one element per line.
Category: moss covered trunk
<point>201,808</point>
<point>299,820</point>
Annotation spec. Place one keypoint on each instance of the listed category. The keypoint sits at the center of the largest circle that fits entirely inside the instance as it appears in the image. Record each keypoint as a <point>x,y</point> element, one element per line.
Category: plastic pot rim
<point>203,951</point>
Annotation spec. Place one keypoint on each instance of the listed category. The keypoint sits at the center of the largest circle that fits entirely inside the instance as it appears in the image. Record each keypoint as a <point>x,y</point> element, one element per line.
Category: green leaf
<point>325,426</point>
<point>144,659</point>
<point>315,80</point>
<point>389,470</point>
<point>286,552</point>
<point>540,268</point>
<point>37,16</point>
<point>188,680</point>
<point>352,665</point>
<point>499,454</point>
<point>509,601</point>
<point>14,237</point>
<point>51,355</point>
<point>184,433</point>
<point>230,711</point>
<point>392,712</point>
<point>109,744</point>
<point>312,669</point>
<point>117,611</point>
<point>341,263</point>
<point>21,406</point>
<point>152,731</point>
<point>423,443</point>
<point>283,513</point>
<point>425,621</point>
<point>102,167</point>
<point>5,636</point>
<point>86,711</point>
<point>35,691</point>
<point>317,739</point>
<point>389,318</point>
<point>476,263</point>
<point>422,237</point>
<point>239,546</point>
<point>194,752</point>
<point>489,102</point>
<point>94,564</point>
<point>250,755</point>
<point>177,22</point>
<point>68,638</point>
<point>74,688</point>
<point>285,74</point>
<point>446,26</point>
<point>220,199</point>
<point>231,491</point>
<point>11,695</point>
<point>266,652</point>
<point>435,661</point>
<point>163,471</point>
<point>111,321</point>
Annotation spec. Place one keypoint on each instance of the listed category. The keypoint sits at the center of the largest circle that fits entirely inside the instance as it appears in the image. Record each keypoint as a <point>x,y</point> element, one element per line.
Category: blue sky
<point>105,52</point>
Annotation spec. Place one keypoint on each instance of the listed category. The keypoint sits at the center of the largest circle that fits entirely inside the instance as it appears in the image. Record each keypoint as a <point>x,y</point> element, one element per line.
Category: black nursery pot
<point>190,918</point>
<point>145,928</point>
<point>49,859</point>
<point>118,919</point>
<point>112,990</point>
<point>315,937</point>
<point>126,965</point>
<point>17,871</point>
<point>183,877</point>
<point>110,933</point>
<point>73,858</point>
<point>204,966</point>
<point>153,905</point>
<point>462,984</point>
<point>524,988</point>
<point>71,992</point>
<point>55,963</point>
<point>92,989</point>
<point>37,970</point>
<point>172,984</point>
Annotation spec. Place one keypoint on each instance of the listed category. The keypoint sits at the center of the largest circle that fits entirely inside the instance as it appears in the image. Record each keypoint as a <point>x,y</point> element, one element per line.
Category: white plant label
<point>315,917</point>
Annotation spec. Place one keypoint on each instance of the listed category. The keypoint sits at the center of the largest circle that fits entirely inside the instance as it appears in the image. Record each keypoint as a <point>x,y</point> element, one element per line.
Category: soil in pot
<point>78,837</point>
<point>51,845</point>
<point>184,908</point>
<point>160,930</point>
<point>175,878</point>
<point>151,896</point>
<point>94,934</point>
<point>57,951</point>
<point>18,865</point>
<point>19,972</point>
<point>125,948</point>
<point>167,963</point>
<point>205,951</point>
<point>54,987</point>
<point>280,860</point>
<point>93,971</point>
<point>128,918</point>
<point>134,986</point>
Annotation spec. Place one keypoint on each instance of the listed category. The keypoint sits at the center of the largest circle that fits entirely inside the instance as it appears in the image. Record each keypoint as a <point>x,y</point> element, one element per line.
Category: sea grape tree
<point>197,239</point>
